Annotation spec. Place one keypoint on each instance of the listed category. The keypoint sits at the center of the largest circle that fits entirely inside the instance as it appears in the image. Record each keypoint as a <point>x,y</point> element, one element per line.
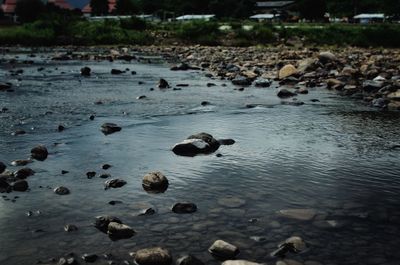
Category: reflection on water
<point>333,156</point>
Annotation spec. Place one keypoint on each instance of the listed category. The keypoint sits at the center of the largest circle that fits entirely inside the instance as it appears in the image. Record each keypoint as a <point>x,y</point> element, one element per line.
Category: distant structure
<point>9,7</point>
<point>369,18</point>
<point>195,17</point>
<point>273,6</point>
<point>63,4</point>
<point>87,9</point>
<point>265,17</point>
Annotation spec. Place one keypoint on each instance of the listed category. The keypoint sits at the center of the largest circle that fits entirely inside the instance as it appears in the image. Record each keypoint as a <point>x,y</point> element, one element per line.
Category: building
<point>195,17</point>
<point>63,4</point>
<point>87,9</point>
<point>8,7</point>
<point>369,18</point>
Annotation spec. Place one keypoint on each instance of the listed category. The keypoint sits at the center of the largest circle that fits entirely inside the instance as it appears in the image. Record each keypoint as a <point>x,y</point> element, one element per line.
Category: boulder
<point>286,71</point>
<point>155,182</point>
<point>201,143</point>
<point>85,71</point>
<point>61,191</point>
<point>117,231</point>
<point>223,250</point>
<point>184,207</point>
<point>241,81</point>
<point>284,93</point>
<point>39,153</point>
<point>162,84</point>
<point>114,183</point>
<point>23,173</point>
<point>102,222</point>
<point>20,185</point>
<point>109,128</point>
<point>189,260</point>
<point>326,57</point>
<point>2,167</point>
<point>153,256</point>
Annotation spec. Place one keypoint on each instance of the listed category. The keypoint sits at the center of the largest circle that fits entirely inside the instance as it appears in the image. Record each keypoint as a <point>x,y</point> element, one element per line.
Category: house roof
<point>111,6</point>
<point>191,17</point>
<point>274,4</point>
<point>61,4</point>
<point>9,6</point>
<point>366,16</point>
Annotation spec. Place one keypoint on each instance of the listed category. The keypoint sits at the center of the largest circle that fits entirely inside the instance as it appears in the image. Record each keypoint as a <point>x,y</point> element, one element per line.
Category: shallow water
<point>334,156</point>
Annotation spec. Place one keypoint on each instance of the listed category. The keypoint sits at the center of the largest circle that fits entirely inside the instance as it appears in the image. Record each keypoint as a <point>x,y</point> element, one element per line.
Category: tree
<point>28,10</point>
<point>99,7</point>
<point>126,7</point>
<point>312,9</point>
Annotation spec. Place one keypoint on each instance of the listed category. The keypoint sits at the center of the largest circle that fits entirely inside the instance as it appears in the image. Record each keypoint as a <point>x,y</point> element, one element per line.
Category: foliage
<point>312,9</point>
<point>133,23</point>
<point>199,32</point>
<point>99,7</point>
<point>28,10</point>
<point>126,7</point>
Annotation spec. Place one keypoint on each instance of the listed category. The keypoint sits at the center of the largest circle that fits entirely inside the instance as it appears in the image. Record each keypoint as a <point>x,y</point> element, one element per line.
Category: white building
<point>195,17</point>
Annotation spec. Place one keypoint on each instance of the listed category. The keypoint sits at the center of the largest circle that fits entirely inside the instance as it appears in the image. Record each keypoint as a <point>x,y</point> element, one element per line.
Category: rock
<point>89,258</point>
<point>115,202</point>
<point>18,132</point>
<point>326,57</point>
<point>61,191</point>
<point>183,67</point>
<point>109,128</point>
<point>286,71</point>
<point>91,117</point>
<point>205,103</point>
<point>263,83</point>
<point>394,105</point>
<point>335,84</point>
<point>90,174</point>
<point>298,214</point>
<point>67,261</point>
<point>306,65</point>
<point>189,260</point>
<point>292,103</point>
<point>148,211</point>
<point>231,202</point>
<point>116,72</point>
<point>114,183</point>
<point>60,128</point>
<point>394,95</point>
<point>162,83</point>
<point>226,141</point>
<point>284,93</point>
<point>106,166</point>
<point>239,262</point>
<point>297,243</point>
<point>85,71</point>
<point>223,250</point>
<point>70,228</point>
<point>155,182</point>
<point>184,207</point>
<point>20,185</point>
<point>153,256</point>
<point>211,84</point>
<point>201,143</point>
<point>39,153</point>
<point>372,86</point>
<point>21,162</point>
<point>23,173</point>
<point>5,86</point>
<point>102,222</point>
<point>241,81</point>
<point>105,176</point>
<point>118,231</point>
<point>2,167</point>
<point>141,97</point>
<point>302,91</point>
<point>4,185</point>
<point>379,103</point>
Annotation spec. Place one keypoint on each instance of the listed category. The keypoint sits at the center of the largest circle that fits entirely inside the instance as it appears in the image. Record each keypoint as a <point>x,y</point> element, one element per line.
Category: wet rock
<point>114,202</point>
<point>205,103</point>
<point>5,86</point>
<point>155,182</point>
<point>105,176</point>
<point>148,211</point>
<point>302,91</point>
<point>226,141</point>
<point>39,153</point>
<point>60,128</point>
<point>106,166</point>
<point>90,174</point>
<point>211,84</point>
<point>116,72</point>
<point>114,183</point>
<point>293,244</point>
<point>102,222</point>
<point>189,260</point>
<point>184,207</point>
<point>372,86</point>
<point>118,231</point>
<point>4,185</point>
<point>61,191</point>
<point>70,228</point>
<point>90,258</point>
<point>286,71</point>
<point>326,57</point>
<point>109,128</point>
<point>182,85</point>
<point>162,83</point>
<point>241,81</point>
<point>19,132</point>
<point>263,83</point>
<point>183,67</point>
<point>223,250</point>
<point>379,103</point>
<point>67,261</point>
<point>298,214</point>
<point>2,167</point>
<point>85,71</point>
<point>20,185</point>
<point>292,103</point>
<point>202,143</point>
<point>141,97</point>
<point>23,173</point>
<point>239,262</point>
<point>91,117</point>
<point>153,256</point>
<point>284,93</point>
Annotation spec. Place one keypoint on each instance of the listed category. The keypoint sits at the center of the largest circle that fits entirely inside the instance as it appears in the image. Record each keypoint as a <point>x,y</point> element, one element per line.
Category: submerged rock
<point>153,256</point>
<point>284,93</point>
<point>162,83</point>
<point>20,185</point>
<point>226,141</point>
<point>114,183</point>
<point>293,244</point>
<point>118,231</point>
<point>109,128</point>
<point>39,153</point>
<point>223,250</point>
<point>116,72</point>
<point>148,211</point>
<point>70,228</point>
<point>61,191</point>
<point>102,222</point>
<point>184,207</point>
<point>155,182</point>
<point>2,167</point>
<point>85,71</point>
<point>201,143</point>
<point>23,173</point>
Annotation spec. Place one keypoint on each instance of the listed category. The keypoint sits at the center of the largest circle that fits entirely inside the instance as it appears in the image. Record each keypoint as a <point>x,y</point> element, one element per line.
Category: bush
<point>199,32</point>
<point>27,36</point>
<point>133,23</point>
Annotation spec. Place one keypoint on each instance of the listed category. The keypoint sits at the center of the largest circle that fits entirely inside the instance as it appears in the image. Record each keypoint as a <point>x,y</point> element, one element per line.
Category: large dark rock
<point>39,153</point>
<point>85,71</point>
<point>5,86</point>
<point>23,173</point>
<point>20,185</point>
<point>109,128</point>
<point>4,185</point>
<point>241,81</point>
<point>201,143</point>
<point>284,93</point>
<point>163,84</point>
<point>116,72</point>
<point>155,182</point>
<point>61,191</point>
<point>153,256</point>
<point>114,183</point>
<point>102,222</point>
<point>2,167</point>
<point>184,207</point>
<point>118,231</point>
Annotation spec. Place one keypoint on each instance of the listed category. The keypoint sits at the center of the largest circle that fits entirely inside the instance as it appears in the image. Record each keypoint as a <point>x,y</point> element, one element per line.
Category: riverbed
<point>333,156</point>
